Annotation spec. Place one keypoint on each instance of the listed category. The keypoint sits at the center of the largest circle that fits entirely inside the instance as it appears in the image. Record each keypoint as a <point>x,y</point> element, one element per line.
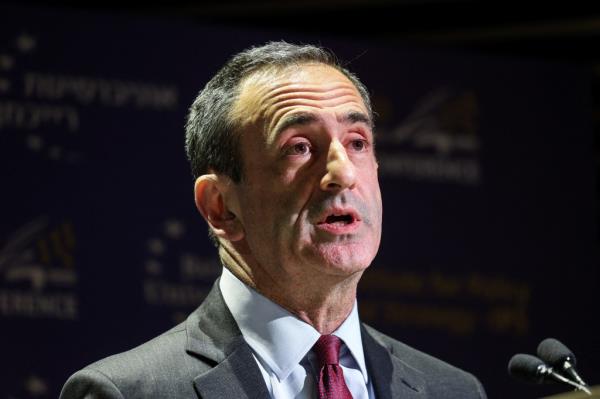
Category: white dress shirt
<point>281,344</point>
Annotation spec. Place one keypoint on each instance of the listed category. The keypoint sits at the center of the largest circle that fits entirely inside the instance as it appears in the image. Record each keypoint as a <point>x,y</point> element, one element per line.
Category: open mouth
<point>339,219</point>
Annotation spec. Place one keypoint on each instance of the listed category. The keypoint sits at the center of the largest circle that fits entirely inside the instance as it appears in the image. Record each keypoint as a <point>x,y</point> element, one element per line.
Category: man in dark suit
<point>281,145</point>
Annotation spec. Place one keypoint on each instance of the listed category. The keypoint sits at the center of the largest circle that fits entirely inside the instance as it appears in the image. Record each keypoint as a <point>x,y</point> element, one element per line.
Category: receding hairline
<point>261,75</point>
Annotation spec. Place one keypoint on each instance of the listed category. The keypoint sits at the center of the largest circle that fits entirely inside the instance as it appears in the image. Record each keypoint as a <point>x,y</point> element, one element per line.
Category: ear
<point>209,193</point>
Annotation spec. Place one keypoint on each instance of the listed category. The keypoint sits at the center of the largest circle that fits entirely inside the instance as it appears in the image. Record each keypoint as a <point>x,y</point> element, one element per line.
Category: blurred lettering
<point>87,91</point>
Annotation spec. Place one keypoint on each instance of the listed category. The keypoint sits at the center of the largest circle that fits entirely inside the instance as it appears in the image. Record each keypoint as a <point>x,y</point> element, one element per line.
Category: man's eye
<point>359,145</point>
<point>301,148</point>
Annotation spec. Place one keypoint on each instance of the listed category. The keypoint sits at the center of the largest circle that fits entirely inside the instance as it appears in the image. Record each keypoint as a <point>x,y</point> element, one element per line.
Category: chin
<point>344,259</point>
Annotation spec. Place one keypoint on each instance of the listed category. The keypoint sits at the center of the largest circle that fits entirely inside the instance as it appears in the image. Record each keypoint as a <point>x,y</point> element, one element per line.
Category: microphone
<point>553,352</point>
<point>532,369</point>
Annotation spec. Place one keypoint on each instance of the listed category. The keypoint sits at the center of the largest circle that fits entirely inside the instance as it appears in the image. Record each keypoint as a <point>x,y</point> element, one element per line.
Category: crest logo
<point>38,273</point>
<point>438,141</point>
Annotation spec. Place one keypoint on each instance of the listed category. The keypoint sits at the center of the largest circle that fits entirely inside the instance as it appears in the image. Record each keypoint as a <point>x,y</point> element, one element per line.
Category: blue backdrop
<point>485,165</point>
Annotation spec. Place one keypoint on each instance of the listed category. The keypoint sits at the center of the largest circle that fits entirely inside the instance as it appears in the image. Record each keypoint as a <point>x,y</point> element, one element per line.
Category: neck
<point>325,308</point>
<point>323,301</point>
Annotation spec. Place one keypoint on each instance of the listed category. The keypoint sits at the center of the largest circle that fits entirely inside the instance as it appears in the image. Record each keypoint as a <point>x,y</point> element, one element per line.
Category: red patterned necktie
<point>331,377</point>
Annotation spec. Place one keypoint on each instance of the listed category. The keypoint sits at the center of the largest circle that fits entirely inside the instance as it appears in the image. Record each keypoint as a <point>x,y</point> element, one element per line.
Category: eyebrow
<point>357,117</point>
<point>299,119</point>
<point>306,118</point>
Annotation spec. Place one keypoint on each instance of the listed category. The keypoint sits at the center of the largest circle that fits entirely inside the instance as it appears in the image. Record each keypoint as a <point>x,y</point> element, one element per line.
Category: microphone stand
<point>547,371</point>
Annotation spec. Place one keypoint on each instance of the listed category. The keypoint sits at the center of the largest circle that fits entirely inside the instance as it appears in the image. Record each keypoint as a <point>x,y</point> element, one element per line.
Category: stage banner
<point>485,163</point>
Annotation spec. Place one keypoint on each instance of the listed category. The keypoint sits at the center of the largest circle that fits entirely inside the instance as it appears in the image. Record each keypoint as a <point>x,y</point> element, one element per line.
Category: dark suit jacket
<point>207,357</point>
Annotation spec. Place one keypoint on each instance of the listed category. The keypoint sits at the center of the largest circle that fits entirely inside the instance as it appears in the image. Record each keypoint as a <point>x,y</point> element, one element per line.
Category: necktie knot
<point>331,383</point>
<point>327,349</point>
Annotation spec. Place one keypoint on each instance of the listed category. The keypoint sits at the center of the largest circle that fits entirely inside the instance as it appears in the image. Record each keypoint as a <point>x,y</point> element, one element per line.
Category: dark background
<point>522,240</point>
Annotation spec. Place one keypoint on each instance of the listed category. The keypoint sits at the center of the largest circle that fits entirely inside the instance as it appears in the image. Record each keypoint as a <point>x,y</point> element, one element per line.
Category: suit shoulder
<point>447,376</point>
<point>163,349</point>
<point>143,371</point>
<point>90,383</point>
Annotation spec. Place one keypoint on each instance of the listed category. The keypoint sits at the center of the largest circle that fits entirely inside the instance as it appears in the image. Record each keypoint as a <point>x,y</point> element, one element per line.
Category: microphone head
<point>553,352</point>
<point>526,368</point>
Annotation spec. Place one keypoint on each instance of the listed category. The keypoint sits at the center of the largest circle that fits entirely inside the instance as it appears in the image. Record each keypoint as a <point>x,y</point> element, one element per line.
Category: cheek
<point>268,213</point>
<point>371,184</point>
<point>295,188</point>
<point>375,202</point>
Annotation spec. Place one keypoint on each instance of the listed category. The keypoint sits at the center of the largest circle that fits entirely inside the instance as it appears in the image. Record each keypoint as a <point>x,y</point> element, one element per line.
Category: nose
<point>340,171</point>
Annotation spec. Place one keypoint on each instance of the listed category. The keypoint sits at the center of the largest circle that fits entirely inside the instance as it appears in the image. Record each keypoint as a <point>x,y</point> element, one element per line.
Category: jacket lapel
<point>392,378</point>
<point>235,377</point>
<point>213,335</point>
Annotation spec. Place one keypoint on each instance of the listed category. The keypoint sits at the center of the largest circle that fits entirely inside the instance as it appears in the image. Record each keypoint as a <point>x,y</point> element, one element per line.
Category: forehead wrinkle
<point>290,89</point>
<point>306,117</point>
<point>266,95</point>
<point>309,95</point>
<point>265,86</point>
<point>295,87</point>
<point>278,123</point>
<point>319,104</point>
<point>256,99</point>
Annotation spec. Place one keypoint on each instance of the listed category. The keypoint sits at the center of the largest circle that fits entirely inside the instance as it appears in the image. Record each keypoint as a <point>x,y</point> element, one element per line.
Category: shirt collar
<point>349,332</point>
<point>278,338</point>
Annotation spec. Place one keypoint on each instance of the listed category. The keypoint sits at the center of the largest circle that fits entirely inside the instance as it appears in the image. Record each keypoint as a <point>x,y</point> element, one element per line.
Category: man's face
<point>309,200</point>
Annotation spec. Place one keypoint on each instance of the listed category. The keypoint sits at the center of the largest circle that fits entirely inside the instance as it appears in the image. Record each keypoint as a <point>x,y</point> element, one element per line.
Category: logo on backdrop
<point>177,276</point>
<point>436,142</point>
<point>38,276</point>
